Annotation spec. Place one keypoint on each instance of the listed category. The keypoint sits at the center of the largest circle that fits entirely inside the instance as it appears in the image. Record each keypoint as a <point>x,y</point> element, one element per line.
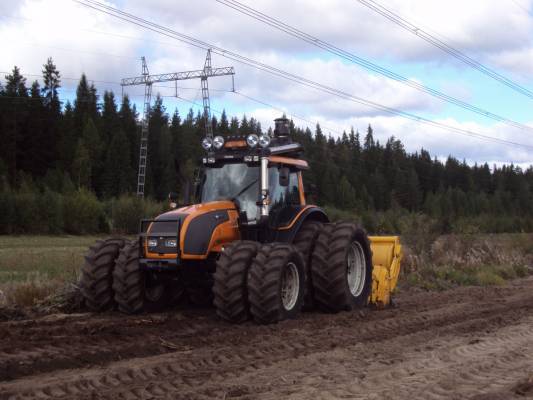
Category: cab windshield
<point>233,182</point>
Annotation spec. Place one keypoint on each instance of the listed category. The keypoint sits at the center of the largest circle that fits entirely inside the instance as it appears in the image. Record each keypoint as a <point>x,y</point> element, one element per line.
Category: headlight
<point>171,243</point>
<point>264,141</point>
<point>218,142</point>
<point>252,140</point>
<point>207,143</point>
<point>152,242</point>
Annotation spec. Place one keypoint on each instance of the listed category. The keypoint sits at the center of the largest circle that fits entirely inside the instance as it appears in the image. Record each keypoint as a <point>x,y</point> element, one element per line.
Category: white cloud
<point>485,27</point>
<point>35,32</point>
<point>492,30</point>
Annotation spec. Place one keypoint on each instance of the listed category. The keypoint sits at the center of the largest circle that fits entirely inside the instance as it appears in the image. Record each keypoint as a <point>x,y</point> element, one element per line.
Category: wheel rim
<point>154,293</point>
<point>290,286</point>
<point>356,273</point>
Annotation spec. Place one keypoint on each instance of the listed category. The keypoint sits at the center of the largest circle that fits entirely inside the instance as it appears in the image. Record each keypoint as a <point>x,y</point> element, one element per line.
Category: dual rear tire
<point>329,266</point>
<point>276,283</point>
<point>263,282</point>
<point>341,267</point>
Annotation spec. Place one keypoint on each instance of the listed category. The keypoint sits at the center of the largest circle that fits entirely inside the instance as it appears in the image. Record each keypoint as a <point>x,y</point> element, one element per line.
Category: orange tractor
<point>251,245</point>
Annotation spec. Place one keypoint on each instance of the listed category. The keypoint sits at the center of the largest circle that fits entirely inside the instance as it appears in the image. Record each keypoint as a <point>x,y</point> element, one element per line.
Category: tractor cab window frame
<point>281,196</point>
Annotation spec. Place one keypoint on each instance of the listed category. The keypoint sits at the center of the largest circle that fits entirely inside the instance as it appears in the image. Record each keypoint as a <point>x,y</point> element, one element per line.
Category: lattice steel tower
<point>147,80</point>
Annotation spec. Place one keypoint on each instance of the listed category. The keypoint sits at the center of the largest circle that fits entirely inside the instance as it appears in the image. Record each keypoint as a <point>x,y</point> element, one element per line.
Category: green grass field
<point>34,268</point>
<point>25,258</point>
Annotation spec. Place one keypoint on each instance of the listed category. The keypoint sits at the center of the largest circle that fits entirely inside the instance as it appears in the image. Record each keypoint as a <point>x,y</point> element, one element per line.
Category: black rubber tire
<point>128,280</point>
<point>129,284</point>
<point>96,280</point>
<point>230,287</point>
<point>305,241</point>
<point>329,267</point>
<point>264,283</point>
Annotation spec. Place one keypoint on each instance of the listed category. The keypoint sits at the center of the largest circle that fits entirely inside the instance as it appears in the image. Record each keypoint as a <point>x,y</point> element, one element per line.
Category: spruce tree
<point>52,135</point>
<point>52,81</point>
<point>13,129</point>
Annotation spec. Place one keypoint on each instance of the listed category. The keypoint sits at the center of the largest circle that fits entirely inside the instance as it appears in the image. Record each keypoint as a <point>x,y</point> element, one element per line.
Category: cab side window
<point>293,194</point>
<point>283,196</point>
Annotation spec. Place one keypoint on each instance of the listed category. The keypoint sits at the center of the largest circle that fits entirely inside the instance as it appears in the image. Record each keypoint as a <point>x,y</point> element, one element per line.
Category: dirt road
<point>463,343</point>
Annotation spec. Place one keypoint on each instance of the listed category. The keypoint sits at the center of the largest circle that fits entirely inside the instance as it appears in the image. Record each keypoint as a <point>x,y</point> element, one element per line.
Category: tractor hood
<point>202,229</point>
<point>205,207</point>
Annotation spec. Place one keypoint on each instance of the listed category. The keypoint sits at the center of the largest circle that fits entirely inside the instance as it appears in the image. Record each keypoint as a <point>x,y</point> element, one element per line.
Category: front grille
<point>161,247</point>
<point>162,230</point>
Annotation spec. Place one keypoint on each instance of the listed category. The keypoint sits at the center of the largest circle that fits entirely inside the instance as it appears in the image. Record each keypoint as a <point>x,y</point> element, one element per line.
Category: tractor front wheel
<point>97,274</point>
<point>135,292</point>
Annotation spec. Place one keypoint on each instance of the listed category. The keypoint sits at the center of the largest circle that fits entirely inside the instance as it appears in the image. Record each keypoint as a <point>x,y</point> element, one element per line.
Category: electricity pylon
<point>147,80</point>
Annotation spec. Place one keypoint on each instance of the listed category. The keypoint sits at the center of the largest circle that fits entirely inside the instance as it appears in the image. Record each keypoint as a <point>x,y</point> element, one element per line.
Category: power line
<point>285,111</point>
<point>422,34</point>
<point>124,16</point>
<point>292,31</point>
<point>292,115</point>
<point>516,3</point>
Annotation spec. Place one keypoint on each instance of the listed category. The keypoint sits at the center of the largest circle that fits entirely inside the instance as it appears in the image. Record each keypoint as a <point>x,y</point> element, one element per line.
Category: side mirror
<point>284,174</point>
<point>173,199</point>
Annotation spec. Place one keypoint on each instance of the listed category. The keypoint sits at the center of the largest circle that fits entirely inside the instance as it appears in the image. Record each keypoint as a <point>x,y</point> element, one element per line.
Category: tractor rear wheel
<point>276,283</point>
<point>97,274</point>
<point>342,267</point>
<point>135,292</point>
<point>305,243</point>
<point>230,287</point>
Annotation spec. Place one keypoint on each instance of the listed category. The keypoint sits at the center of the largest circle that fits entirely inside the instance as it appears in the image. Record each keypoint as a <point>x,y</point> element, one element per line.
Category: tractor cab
<point>262,176</point>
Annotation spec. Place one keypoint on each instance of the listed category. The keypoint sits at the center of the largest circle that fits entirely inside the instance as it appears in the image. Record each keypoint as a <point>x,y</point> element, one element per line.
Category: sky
<point>497,33</point>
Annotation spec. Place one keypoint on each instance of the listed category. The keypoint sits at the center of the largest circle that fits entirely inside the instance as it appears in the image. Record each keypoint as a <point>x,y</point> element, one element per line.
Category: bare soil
<point>468,342</point>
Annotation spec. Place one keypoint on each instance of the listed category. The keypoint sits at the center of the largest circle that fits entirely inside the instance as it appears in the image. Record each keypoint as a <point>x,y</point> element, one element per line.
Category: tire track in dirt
<point>267,348</point>
<point>491,363</point>
<point>433,375</point>
<point>65,343</point>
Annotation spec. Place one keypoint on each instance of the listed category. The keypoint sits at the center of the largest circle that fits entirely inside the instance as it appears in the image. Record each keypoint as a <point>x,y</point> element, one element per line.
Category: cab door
<point>285,195</point>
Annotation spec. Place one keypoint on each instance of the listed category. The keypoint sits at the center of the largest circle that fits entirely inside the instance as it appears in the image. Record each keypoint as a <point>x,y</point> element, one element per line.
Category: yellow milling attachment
<point>386,257</point>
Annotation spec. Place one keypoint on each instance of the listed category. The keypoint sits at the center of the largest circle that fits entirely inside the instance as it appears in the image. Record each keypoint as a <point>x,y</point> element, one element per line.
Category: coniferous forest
<point>72,167</point>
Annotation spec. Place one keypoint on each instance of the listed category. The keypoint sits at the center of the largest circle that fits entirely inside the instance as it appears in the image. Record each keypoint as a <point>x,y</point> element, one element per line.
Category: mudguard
<point>286,233</point>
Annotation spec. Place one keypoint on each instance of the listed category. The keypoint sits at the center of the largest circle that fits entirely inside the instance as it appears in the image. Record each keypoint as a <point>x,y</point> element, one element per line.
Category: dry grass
<point>35,268</point>
<point>455,260</point>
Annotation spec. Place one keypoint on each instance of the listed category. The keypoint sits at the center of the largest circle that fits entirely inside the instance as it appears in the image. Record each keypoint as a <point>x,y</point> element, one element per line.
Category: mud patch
<point>467,342</point>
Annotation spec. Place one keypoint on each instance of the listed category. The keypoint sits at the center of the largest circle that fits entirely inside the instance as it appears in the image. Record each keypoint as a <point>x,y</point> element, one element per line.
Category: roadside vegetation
<point>464,260</point>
